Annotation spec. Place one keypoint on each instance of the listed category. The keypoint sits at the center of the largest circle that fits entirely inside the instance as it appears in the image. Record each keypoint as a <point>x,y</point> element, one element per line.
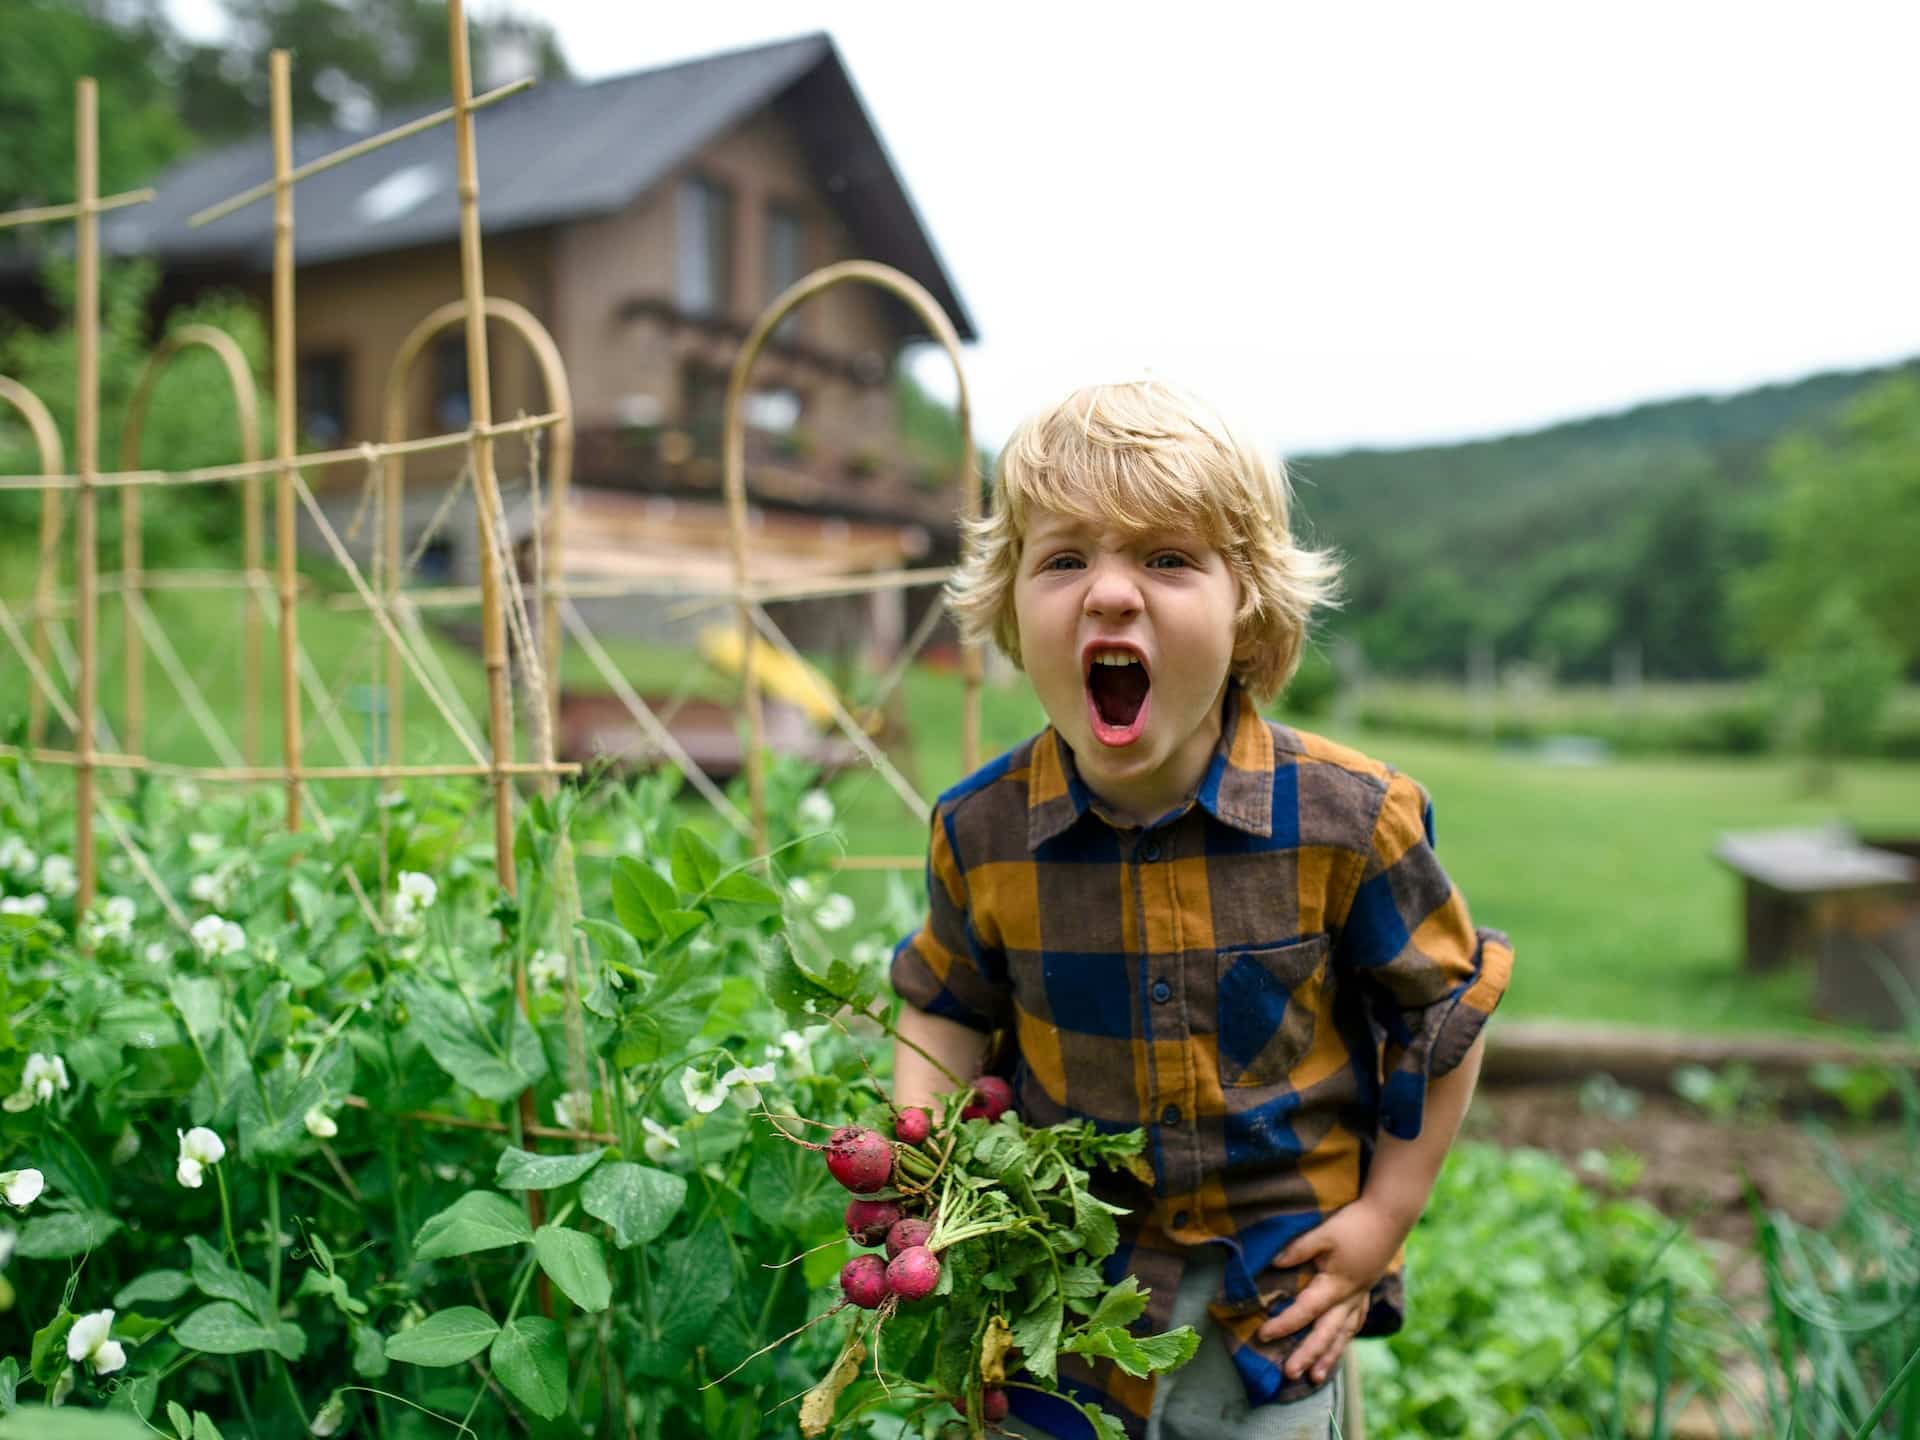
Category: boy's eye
<point>1059,562</point>
<point>1169,556</point>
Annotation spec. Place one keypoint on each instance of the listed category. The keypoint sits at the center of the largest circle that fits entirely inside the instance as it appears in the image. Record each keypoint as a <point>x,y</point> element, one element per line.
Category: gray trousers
<point>1206,1400</point>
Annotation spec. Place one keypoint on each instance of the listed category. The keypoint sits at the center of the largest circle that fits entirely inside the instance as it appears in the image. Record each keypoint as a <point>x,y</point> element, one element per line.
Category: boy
<point>1229,933</point>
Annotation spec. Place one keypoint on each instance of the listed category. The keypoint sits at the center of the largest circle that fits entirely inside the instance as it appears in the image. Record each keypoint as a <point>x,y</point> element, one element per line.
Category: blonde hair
<point>1145,455</point>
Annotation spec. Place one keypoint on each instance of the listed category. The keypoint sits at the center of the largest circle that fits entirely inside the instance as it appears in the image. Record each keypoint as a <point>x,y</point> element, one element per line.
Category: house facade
<point>645,220</point>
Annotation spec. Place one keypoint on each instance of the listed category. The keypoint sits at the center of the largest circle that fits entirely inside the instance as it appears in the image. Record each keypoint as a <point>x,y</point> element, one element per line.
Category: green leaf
<point>478,1220</point>
<point>743,898</point>
<point>1037,1333</point>
<point>694,1281</point>
<point>638,1201</point>
<point>441,1022</point>
<point>198,999</point>
<point>695,864</point>
<point>369,1353</point>
<point>1138,1357</point>
<point>9,1384</point>
<point>220,1281</point>
<point>182,1422</point>
<point>63,1235</point>
<point>273,1112</point>
<point>223,1328</point>
<point>790,1190</point>
<point>1120,1306</point>
<point>640,897</point>
<point>446,1337</point>
<point>40,1423</point>
<point>49,1355</point>
<point>530,1359</point>
<point>204,1428</point>
<point>133,1327</point>
<point>523,1170</point>
<point>574,1262</point>
<point>157,1285</point>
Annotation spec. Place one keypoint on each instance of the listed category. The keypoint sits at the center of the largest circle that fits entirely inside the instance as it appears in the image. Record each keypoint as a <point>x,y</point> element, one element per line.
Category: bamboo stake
<point>284,417</point>
<point>486,503</point>
<point>346,153</point>
<point>133,652</point>
<point>46,436</point>
<point>87,458</point>
<point>47,213</point>
<point>313,460</point>
<point>480,407</point>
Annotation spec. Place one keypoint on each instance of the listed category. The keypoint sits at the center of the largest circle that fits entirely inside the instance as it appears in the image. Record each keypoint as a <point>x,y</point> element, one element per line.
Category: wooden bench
<point>1853,906</point>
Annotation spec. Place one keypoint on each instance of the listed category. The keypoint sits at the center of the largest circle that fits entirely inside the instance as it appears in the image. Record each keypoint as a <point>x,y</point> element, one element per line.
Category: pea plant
<point>296,1161</point>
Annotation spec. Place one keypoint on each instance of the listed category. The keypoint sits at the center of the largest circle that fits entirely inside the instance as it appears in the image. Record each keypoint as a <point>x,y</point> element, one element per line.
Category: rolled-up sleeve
<point>943,968</point>
<point>1434,977</point>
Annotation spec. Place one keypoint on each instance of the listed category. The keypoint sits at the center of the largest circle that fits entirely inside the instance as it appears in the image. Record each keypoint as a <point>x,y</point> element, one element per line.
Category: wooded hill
<point>1562,543</point>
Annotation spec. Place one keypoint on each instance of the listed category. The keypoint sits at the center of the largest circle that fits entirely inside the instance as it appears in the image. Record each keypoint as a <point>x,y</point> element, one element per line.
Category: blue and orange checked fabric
<point>1262,979</point>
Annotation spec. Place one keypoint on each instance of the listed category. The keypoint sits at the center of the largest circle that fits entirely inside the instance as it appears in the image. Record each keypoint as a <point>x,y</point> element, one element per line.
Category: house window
<point>323,396</point>
<point>452,408</point>
<point>706,248</point>
<point>786,260</point>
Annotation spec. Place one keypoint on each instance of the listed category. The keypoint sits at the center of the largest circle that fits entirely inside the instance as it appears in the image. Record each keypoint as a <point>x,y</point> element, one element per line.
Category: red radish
<point>912,1273</point>
<point>914,1125</point>
<point>861,1160</point>
<point>904,1235</point>
<point>870,1221</point>
<point>863,1280</point>
<point>993,1097</point>
<point>993,1404</point>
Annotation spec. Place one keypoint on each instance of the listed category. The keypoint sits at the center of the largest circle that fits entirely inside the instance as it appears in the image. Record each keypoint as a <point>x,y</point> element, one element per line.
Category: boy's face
<point>1142,733</point>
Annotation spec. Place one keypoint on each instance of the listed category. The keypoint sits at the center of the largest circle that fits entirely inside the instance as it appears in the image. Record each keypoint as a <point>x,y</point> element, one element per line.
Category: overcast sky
<point>1368,224</point>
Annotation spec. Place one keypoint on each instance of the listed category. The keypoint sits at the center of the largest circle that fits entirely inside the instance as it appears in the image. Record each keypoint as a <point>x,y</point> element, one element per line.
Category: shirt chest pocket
<point>1268,1003</point>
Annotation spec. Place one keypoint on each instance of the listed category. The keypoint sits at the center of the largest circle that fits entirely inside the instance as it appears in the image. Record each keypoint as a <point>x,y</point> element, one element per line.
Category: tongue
<point>1118,691</point>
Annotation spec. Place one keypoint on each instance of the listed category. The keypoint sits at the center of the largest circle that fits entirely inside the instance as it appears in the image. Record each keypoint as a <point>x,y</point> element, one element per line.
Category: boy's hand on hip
<point>1350,1252</point>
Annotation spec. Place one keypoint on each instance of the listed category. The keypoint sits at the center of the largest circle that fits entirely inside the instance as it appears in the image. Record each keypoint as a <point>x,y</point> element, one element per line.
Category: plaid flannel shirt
<point>1261,979</point>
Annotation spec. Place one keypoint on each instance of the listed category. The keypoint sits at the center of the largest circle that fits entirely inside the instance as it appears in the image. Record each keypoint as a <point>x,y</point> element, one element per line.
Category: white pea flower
<point>87,1342</point>
<point>44,1076</point>
<point>835,913</point>
<point>796,1047</point>
<point>22,1187</point>
<point>112,921</point>
<point>199,1148</point>
<point>320,1124</point>
<point>573,1110</point>
<point>34,904</point>
<point>215,937</point>
<point>58,877</point>
<point>743,1085</point>
<point>413,896</point>
<point>17,857</point>
<point>660,1142</point>
<point>800,890</point>
<point>546,969</point>
<point>158,952</point>
<point>204,889</point>
<point>705,1094</point>
<point>815,810</point>
<point>202,844</point>
<point>62,1388</point>
<point>330,1417</point>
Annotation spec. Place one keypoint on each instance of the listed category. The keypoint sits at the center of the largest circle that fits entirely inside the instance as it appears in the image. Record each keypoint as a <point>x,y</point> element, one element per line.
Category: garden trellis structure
<point>505,611</point>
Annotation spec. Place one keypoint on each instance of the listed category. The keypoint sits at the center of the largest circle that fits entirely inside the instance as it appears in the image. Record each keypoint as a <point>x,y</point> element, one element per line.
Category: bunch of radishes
<point>866,1162</point>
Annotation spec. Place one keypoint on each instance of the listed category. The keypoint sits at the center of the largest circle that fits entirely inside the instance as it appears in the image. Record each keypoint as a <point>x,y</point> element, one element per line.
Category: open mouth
<point>1118,689</point>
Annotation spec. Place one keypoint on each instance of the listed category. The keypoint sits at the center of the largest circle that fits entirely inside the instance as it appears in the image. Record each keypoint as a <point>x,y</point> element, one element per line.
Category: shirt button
<point>1150,851</point>
<point>1180,1218</point>
<point>1170,1115</point>
<point>1162,992</point>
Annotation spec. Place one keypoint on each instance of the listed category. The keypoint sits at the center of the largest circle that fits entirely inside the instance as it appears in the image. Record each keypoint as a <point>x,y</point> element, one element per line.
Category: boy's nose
<point>1112,592</point>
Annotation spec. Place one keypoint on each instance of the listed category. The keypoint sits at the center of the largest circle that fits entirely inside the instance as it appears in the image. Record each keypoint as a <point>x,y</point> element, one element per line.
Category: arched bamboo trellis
<point>46,438</point>
<point>246,402</point>
<point>915,296</point>
<point>553,376</point>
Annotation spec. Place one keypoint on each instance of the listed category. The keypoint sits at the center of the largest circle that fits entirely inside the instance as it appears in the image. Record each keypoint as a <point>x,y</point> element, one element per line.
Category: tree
<point>1845,517</point>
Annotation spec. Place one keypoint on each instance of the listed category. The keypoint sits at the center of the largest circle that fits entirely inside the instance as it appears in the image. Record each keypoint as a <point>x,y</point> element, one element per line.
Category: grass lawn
<point>1601,875</point>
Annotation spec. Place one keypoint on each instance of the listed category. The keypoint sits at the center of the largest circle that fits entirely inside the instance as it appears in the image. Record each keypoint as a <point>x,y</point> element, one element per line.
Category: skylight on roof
<point>402,191</point>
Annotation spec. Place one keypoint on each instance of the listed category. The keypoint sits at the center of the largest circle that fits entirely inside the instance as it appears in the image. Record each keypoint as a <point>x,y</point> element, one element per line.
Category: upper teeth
<point>1115,657</point>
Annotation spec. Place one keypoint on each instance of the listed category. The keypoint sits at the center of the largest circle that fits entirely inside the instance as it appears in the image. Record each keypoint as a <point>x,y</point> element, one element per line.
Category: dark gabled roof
<point>558,152</point>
